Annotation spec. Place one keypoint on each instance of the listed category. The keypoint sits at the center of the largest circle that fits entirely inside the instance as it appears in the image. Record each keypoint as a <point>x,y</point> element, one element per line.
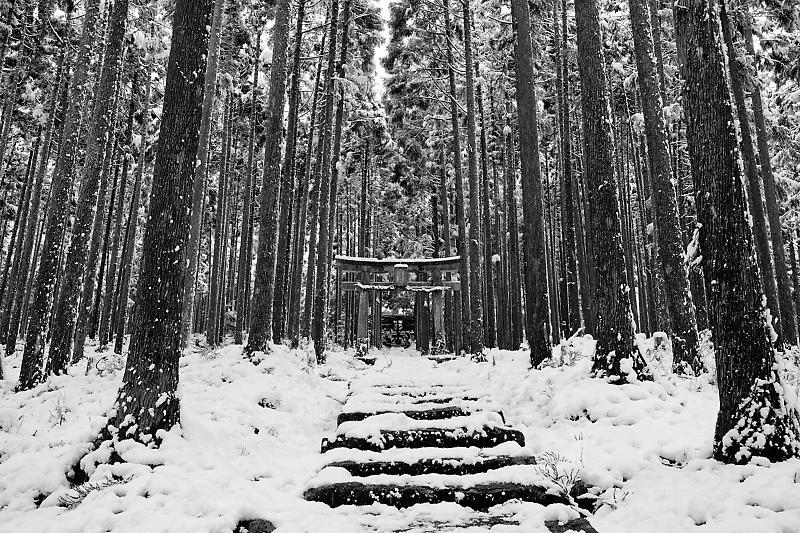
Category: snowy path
<point>413,432</point>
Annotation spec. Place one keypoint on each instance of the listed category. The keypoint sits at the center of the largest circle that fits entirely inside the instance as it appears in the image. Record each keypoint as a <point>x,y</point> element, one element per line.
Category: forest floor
<point>249,444</point>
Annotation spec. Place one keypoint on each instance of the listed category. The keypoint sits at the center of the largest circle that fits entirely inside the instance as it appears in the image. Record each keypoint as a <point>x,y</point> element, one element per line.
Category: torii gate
<point>396,271</point>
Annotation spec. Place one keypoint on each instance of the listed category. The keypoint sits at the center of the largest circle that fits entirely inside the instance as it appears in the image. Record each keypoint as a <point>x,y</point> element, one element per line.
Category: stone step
<point>478,497</point>
<point>471,524</point>
<point>437,413</point>
<point>443,399</point>
<point>578,525</point>
<point>449,466</point>
<point>405,394</point>
<point>486,437</point>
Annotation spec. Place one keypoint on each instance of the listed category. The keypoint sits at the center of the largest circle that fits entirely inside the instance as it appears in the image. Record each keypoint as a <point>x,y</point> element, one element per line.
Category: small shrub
<point>58,414</point>
<point>560,471</point>
<point>77,494</point>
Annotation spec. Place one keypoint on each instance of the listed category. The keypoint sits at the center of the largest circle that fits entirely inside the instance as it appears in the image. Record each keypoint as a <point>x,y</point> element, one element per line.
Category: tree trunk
<point>263,290</point>
<point>147,401</point>
<point>65,311</point>
<point>39,314</point>
<point>199,186</point>
<point>288,179</point>
<point>573,318</point>
<point>615,356</point>
<point>680,306</point>
<point>788,314</point>
<point>89,276</point>
<point>475,270</point>
<point>245,259</point>
<point>490,312</point>
<point>104,257</point>
<point>537,306</point>
<point>133,217</point>
<point>297,271</point>
<point>755,196</point>
<point>57,102</point>
<point>463,245</point>
<point>15,245</point>
<point>751,396</point>
<point>108,298</point>
<point>330,173</point>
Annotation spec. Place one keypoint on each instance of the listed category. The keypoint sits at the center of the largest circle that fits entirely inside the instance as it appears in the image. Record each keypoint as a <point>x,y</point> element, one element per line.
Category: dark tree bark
<point>11,288</point>
<point>751,396</point>
<point>57,101</point>
<point>330,172</point>
<point>90,275</point>
<point>788,312</point>
<point>306,175</point>
<point>490,312</point>
<point>94,324</point>
<point>755,196</point>
<point>113,260</point>
<point>39,314</point>
<point>65,312</point>
<point>461,220</point>
<point>245,249</point>
<point>514,285</point>
<point>795,273</point>
<point>215,284</point>
<point>680,307</point>
<point>615,356</point>
<point>474,248</point>
<point>263,290</point>
<point>133,218</point>
<point>573,318</point>
<point>537,306</point>
<point>147,401</point>
<point>209,91</point>
<point>288,179</point>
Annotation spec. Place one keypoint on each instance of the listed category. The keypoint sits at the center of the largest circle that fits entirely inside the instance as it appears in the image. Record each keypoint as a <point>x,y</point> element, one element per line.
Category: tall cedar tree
<point>537,308</point>
<point>573,244</point>
<point>788,311</point>
<point>475,270</point>
<point>615,356</point>
<point>330,172</point>
<point>65,311</point>
<point>282,272</point>
<point>261,310</point>
<point>680,306</point>
<point>245,257</point>
<point>147,401</point>
<point>64,176</point>
<point>755,198</point>
<point>13,306</point>
<point>751,395</point>
<point>462,246</point>
<point>133,214</point>
<point>202,170</point>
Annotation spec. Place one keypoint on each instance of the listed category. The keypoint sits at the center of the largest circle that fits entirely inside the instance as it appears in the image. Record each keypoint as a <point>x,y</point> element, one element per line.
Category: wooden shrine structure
<point>429,278</point>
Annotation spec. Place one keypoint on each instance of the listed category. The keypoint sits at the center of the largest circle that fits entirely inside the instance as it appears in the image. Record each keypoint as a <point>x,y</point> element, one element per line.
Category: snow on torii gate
<point>397,270</point>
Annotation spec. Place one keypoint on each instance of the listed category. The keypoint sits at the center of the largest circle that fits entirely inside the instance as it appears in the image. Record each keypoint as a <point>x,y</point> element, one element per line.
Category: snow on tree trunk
<point>537,306</point>
<point>680,307</point>
<point>754,419</point>
<point>263,290</point>
<point>616,357</point>
<point>147,402</point>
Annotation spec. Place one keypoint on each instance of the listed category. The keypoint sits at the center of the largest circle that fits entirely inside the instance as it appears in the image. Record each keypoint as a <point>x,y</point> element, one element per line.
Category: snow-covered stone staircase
<point>402,444</point>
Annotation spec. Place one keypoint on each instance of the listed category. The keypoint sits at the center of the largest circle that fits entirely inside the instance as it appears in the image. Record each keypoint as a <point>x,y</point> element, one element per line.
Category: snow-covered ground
<point>249,444</point>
